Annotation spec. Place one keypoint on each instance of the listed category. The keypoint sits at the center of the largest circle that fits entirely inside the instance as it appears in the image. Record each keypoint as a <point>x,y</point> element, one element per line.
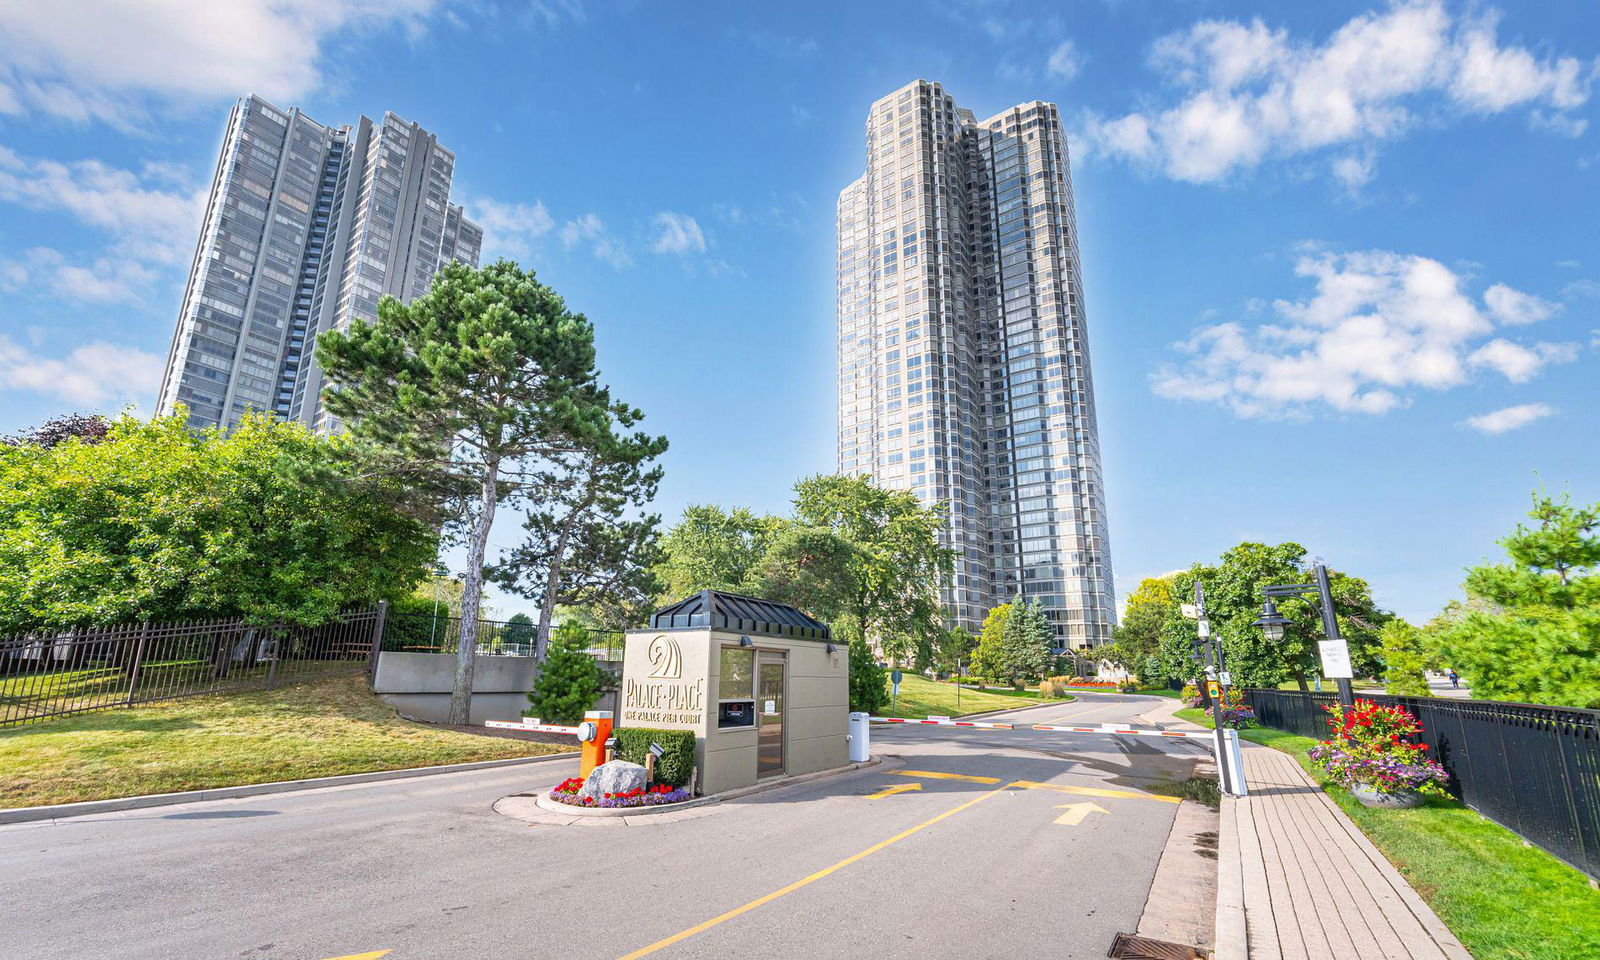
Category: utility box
<point>762,685</point>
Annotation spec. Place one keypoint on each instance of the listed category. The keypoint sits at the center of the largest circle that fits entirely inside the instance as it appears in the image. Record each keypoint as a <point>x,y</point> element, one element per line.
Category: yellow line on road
<point>891,791</point>
<point>946,776</point>
<point>1092,791</point>
<point>374,955</point>
<point>723,918</point>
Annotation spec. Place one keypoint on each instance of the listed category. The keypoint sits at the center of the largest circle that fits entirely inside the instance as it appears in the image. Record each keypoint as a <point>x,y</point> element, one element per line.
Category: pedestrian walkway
<point>1297,880</point>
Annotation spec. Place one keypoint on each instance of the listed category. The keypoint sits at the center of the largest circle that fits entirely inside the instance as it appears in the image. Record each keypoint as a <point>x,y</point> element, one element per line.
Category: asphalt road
<point>425,868</point>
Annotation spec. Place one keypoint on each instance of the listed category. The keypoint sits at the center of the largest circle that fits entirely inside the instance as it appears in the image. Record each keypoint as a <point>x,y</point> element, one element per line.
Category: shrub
<point>868,680</point>
<point>1052,687</point>
<point>1373,745</point>
<point>569,679</point>
<point>674,767</point>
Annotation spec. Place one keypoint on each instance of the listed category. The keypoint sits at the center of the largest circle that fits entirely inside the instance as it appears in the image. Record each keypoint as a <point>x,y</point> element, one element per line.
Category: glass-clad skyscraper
<point>306,227</point>
<point>963,358</point>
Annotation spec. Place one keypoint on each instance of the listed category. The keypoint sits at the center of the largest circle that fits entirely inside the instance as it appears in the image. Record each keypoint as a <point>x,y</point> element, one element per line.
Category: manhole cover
<point>1129,947</point>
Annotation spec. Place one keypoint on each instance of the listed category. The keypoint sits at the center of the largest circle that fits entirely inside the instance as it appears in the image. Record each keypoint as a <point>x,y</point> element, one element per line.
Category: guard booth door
<point>769,714</point>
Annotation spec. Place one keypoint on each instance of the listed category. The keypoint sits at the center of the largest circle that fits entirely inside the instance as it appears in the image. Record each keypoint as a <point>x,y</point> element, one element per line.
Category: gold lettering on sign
<point>651,701</point>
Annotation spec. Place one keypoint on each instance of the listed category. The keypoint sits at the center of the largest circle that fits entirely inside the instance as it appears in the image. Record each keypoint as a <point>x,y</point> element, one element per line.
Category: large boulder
<point>618,776</point>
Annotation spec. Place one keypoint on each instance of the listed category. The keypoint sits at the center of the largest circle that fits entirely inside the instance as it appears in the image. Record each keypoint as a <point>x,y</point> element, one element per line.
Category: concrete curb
<point>1231,939</point>
<point>996,713</point>
<point>542,801</point>
<point>60,811</point>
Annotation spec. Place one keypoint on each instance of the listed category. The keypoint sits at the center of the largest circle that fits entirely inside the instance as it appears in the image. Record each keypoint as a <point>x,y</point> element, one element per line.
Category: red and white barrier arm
<point>531,727</point>
<point>945,722</point>
<point>1113,728</point>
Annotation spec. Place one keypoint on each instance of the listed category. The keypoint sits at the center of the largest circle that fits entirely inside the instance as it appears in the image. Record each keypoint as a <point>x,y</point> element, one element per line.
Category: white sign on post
<point>1335,659</point>
<point>1190,611</point>
<point>1204,627</point>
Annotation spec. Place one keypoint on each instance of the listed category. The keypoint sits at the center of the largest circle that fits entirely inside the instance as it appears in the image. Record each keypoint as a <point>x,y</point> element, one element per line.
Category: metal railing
<point>424,633</point>
<point>55,673</point>
<point>1533,769</point>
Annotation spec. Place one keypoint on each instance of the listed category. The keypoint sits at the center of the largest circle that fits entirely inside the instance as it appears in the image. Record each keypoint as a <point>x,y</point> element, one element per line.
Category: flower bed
<point>1371,746</point>
<point>1091,684</point>
<point>567,792</point>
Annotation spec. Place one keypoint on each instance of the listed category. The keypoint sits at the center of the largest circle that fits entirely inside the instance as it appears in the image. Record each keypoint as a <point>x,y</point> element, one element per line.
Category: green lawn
<point>1504,899</point>
<point>921,697</point>
<point>314,729</point>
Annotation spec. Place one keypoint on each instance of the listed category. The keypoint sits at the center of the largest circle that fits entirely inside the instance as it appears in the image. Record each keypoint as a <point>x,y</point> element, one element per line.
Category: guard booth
<point>762,685</point>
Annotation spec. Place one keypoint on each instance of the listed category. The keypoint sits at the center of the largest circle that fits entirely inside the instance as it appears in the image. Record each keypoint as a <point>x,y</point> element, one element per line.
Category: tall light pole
<point>1334,652</point>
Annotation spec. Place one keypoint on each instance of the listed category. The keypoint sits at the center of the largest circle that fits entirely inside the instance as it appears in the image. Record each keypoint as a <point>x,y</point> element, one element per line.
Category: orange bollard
<point>594,748</point>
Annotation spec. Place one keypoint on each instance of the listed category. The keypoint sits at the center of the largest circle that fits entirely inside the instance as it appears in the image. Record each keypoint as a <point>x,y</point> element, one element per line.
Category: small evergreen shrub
<point>674,767</point>
<point>569,680</point>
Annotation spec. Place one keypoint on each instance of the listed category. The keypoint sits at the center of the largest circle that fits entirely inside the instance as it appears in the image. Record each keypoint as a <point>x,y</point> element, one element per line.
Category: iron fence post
<point>138,659</point>
<point>377,642</point>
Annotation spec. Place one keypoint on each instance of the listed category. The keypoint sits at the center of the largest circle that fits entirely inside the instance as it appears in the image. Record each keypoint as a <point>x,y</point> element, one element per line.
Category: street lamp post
<point>1335,653</point>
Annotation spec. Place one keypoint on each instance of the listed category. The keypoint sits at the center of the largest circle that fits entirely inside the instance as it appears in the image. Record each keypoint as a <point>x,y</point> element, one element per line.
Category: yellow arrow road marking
<point>374,955</point>
<point>1092,791</point>
<point>946,776</point>
<point>891,791</point>
<point>1076,812</point>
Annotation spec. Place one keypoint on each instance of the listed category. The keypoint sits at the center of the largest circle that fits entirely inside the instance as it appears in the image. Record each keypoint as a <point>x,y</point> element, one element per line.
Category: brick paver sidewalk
<point>1297,880</point>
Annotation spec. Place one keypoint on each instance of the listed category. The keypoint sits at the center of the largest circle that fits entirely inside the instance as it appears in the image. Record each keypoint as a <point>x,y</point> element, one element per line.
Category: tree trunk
<point>1300,678</point>
<point>552,583</point>
<point>472,595</point>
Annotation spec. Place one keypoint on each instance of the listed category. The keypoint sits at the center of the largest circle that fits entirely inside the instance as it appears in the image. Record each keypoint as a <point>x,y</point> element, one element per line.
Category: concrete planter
<point>1370,797</point>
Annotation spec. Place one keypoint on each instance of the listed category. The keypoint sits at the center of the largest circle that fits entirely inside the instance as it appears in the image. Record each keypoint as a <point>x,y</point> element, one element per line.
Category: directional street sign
<point>1076,812</point>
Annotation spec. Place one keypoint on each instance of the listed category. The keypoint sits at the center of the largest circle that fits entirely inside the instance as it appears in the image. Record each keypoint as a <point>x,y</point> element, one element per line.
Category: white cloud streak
<point>1064,62</point>
<point>677,233</point>
<point>1249,93</point>
<point>1509,418</point>
<point>589,231</point>
<point>94,375</point>
<point>1379,326</point>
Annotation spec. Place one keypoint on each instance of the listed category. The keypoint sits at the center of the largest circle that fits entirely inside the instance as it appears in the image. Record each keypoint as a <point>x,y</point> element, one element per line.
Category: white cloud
<point>1064,62</point>
<point>677,233</point>
<point>1509,418</point>
<point>509,229</point>
<point>1519,363</point>
<point>1379,326</point>
<point>1248,92</point>
<point>152,217</point>
<point>93,375</point>
<point>1515,308</point>
<point>105,280</point>
<point>591,232</point>
<point>99,59</point>
<point>1355,170</point>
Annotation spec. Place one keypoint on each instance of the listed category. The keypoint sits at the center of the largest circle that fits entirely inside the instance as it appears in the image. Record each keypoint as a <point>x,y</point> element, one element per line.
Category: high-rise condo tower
<point>963,354</point>
<point>306,227</point>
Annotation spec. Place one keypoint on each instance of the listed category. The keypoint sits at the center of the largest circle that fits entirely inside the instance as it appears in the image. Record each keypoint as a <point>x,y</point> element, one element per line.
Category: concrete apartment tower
<point>306,227</point>
<point>963,356</point>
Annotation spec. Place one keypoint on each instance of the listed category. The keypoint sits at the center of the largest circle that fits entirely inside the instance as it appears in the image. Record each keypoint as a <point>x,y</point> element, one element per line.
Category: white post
<point>1235,761</point>
<point>860,738</point>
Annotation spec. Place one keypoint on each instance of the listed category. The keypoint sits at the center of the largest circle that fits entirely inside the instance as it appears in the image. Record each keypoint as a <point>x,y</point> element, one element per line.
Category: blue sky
<point>1342,261</point>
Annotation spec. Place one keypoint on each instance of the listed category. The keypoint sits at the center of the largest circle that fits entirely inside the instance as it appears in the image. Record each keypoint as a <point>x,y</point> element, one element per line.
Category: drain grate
<point>1129,947</point>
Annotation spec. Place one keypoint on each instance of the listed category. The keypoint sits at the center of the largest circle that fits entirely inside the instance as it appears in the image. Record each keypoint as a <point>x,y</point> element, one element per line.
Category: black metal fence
<point>1533,769</point>
<point>93,668</point>
<point>423,633</point>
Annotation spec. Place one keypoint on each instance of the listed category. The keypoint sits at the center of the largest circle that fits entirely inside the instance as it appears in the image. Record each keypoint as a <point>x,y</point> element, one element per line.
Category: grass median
<point>319,728</point>
<point>921,697</point>
<point>1504,899</point>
